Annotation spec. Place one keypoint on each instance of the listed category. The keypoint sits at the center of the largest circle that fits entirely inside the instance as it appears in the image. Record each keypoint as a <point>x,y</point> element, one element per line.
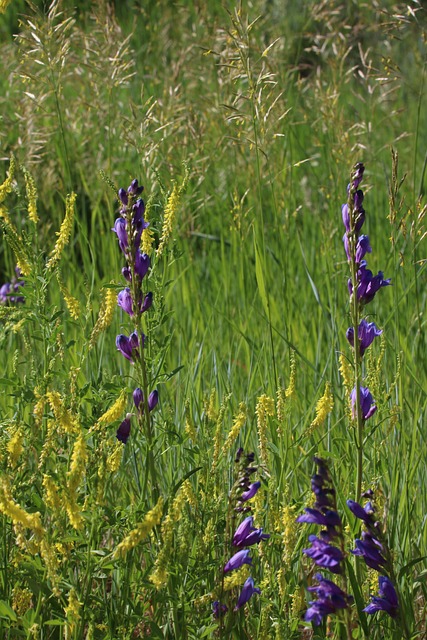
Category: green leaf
<point>6,611</point>
<point>259,272</point>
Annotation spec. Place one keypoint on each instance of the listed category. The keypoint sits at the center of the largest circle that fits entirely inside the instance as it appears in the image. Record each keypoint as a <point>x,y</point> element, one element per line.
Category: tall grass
<point>267,107</point>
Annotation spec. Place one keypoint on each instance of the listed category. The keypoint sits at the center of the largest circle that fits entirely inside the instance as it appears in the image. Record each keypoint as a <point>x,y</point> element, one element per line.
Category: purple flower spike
<point>138,212</point>
<point>387,601</point>
<point>369,548</point>
<point>366,403</point>
<point>124,300</point>
<point>330,599</point>
<point>153,399</point>
<point>238,560</point>
<point>123,432</point>
<point>247,495</point>
<point>246,535</point>
<point>246,593</point>
<point>142,264</point>
<point>367,332</point>
<point>123,196</point>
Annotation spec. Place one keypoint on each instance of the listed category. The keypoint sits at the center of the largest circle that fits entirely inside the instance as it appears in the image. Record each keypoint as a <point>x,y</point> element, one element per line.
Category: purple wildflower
<point>330,598</point>
<point>329,518</point>
<point>324,554</point>
<point>363,513</point>
<point>142,264</point>
<point>120,229</point>
<point>387,600</point>
<point>246,535</point>
<point>134,189</point>
<point>128,346</point>
<point>246,593</point>
<point>238,560</point>
<point>367,333</point>
<point>124,300</point>
<point>367,405</point>
<point>250,493</point>
<point>147,302</point>
<point>369,548</point>
<point>123,432</point>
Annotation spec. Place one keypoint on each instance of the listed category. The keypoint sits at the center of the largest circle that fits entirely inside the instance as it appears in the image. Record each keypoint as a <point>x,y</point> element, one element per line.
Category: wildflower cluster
<point>245,535</point>
<point>324,550</point>
<point>129,228</point>
<point>9,292</point>
<point>372,547</point>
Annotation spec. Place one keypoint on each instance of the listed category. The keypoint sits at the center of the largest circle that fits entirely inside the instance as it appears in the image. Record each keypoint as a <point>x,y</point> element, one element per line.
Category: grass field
<point>244,122</point>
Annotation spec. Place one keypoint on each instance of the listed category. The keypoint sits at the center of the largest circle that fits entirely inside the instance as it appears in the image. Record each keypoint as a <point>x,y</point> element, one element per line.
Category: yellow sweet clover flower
<point>72,610</point>
<point>218,431</point>
<point>210,407</point>
<point>323,408</point>
<point>171,209</point>
<point>236,427</point>
<point>51,494</point>
<point>291,388</point>
<point>188,492</point>
<point>65,420</point>
<point>236,578</point>
<point>347,373</point>
<point>38,410</point>
<point>265,407</point>
<point>115,457</point>
<point>143,529</point>
<point>72,303</point>
<point>160,575</point>
<point>79,459</point>
<point>17,514</point>
<point>21,600</point>
<point>64,233</point>
<point>6,187</point>
<point>31,190</point>
<point>14,446</point>
<point>147,237</point>
<point>289,531</point>
<point>105,316</point>
<point>52,564</point>
<point>189,428</point>
<point>114,412</point>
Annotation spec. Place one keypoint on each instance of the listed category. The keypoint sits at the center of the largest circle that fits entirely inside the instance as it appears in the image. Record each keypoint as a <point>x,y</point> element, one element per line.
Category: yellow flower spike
<point>72,303</point>
<point>171,209</point>
<point>323,408</point>
<point>291,389</point>
<point>31,190</point>
<point>115,458</point>
<point>17,514</point>
<point>346,371</point>
<point>114,412</point>
<point>21,600</point>
<point>14,446</point>
<point>75,475</point>
<point>51,494</point>
<point>189,428</point>
<point>236,578</point>
<point>66,421</point>
<point>236,427</point>
<point>105,316</point>
<point>72,610</point>
<point>64,233</point>
<point>218,431</point>
<point>265,407</point>
<point>143,529</point>
<point>6,187</point>
<point>4,5</point>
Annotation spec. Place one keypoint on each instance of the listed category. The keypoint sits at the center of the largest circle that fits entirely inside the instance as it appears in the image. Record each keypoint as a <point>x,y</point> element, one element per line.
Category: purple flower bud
<point>324,555</point>
<point>328,518</point>
<point>128,346</point>
<point>138,212</point>
<point>246,593</point>
<point>123,432</point>
<point>134,189</point>
<point>153,399</point>
<point>138,397</point>
<point>218,609</point>
<point>126,273</point>
<point>123,196</point>
<point>142,264</point>
<point>367,405</point>
<point>124,300</point>
<point>148,301</point>
<point>239,559</point>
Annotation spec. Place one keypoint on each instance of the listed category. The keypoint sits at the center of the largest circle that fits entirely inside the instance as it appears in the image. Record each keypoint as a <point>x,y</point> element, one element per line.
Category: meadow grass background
<point>266,106</point>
